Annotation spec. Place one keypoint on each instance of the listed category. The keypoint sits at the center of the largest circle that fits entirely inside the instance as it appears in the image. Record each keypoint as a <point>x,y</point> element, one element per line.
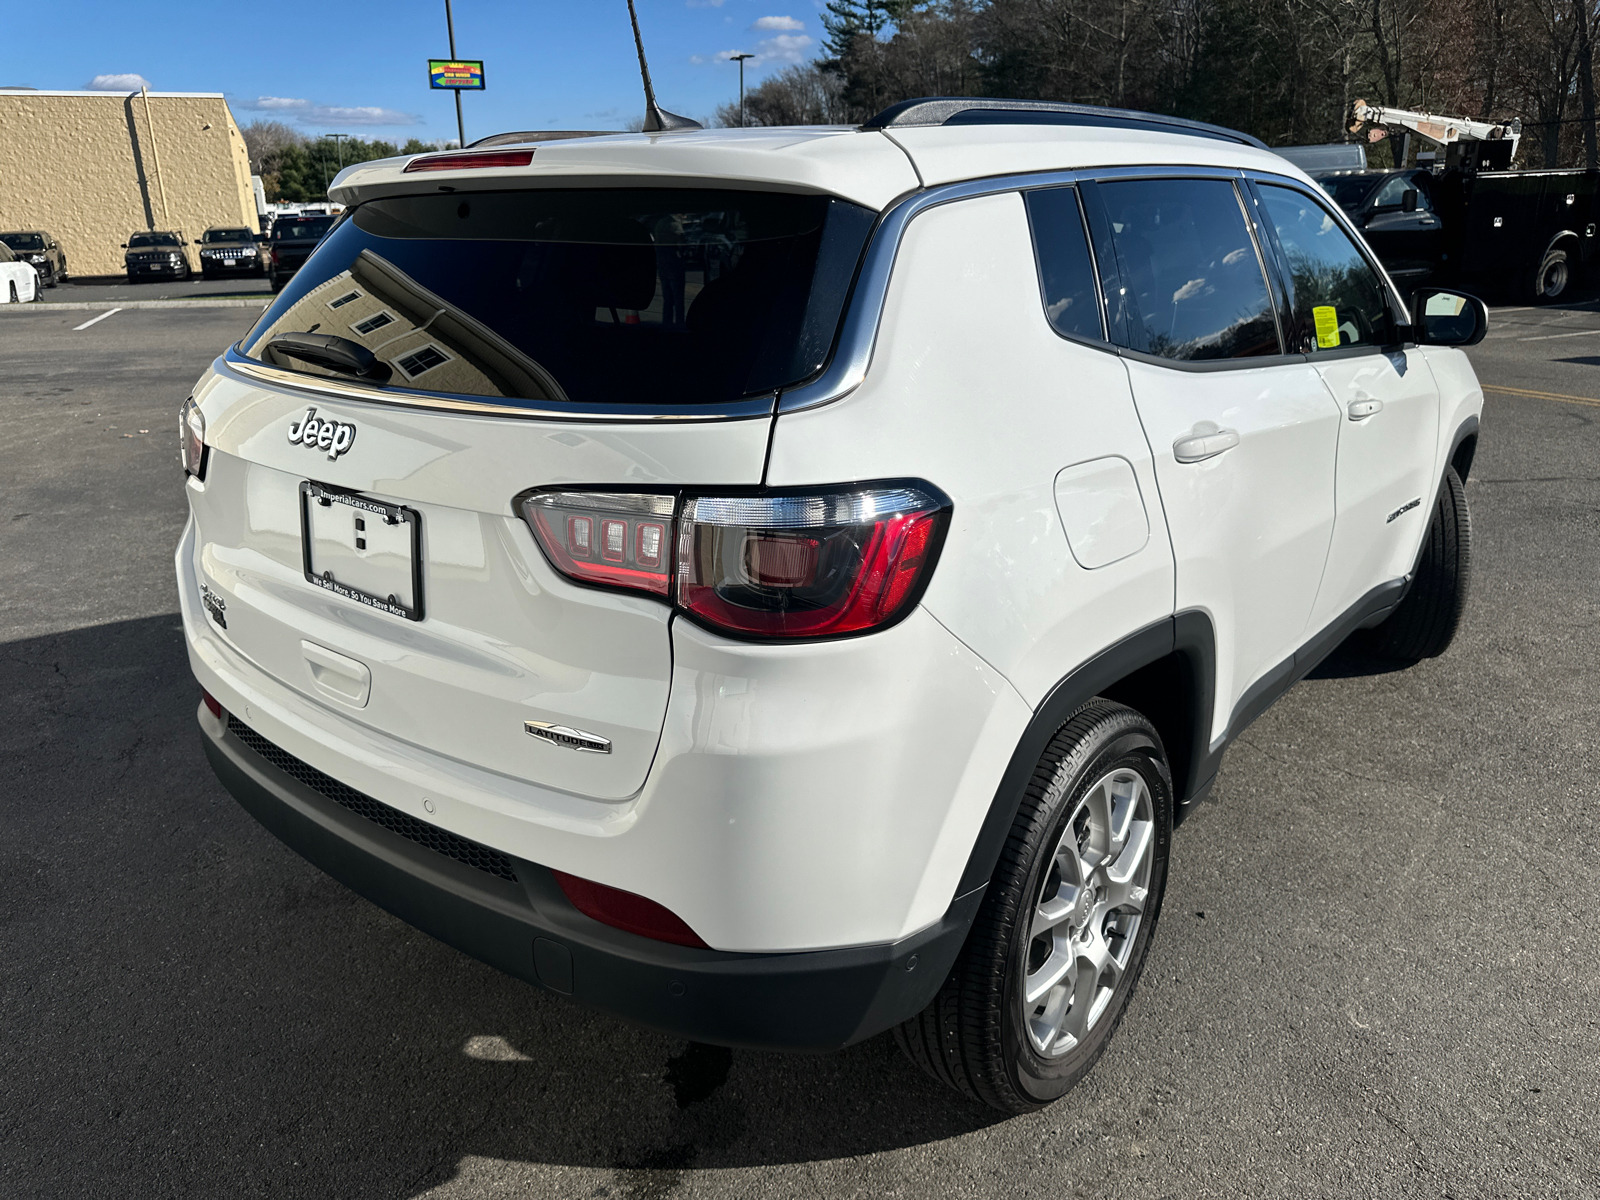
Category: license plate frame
<point>326,496</point>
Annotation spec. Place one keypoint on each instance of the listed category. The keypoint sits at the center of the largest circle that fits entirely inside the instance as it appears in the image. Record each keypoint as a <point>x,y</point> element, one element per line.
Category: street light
<point>739,58</point>
<point>340,144</point>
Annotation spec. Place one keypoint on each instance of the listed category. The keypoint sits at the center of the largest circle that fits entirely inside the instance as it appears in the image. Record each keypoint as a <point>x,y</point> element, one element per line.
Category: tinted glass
<point>23,241</point>
<point>301,227</point>
<point>1393,189</point>
<point>1192,279</point>
<point>619,295</point>
<point>228,235</point>
<point>1337,298</point>
<point>1348,190</point>
<point>1066,272</point>
<point>153,239</point>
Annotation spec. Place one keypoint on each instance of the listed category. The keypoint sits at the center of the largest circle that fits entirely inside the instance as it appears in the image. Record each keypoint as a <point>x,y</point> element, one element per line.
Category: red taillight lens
<point>624,910</point>
<point>469,160</point>
<point>212,703</point>
<point>273,255</point>
<point>818,564</point>
<point>807,566</point>
<point>605,537</point>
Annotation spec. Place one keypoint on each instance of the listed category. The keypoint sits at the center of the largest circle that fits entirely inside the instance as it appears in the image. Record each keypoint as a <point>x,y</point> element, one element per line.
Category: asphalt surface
<point>1375,973</point>
<point>112,290</point>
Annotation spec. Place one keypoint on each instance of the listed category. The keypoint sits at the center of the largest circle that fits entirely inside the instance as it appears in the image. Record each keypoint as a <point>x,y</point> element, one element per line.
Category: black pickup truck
<point>293,240</point>
<point>1529,233</point>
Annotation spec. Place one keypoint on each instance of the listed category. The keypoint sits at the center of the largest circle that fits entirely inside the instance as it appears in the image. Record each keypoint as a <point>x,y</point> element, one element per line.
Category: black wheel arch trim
<point>1189,637</point>
<point>1466,431</point>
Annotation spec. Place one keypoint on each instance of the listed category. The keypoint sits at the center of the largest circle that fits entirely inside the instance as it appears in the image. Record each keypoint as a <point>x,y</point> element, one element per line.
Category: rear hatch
<point>358,532</point>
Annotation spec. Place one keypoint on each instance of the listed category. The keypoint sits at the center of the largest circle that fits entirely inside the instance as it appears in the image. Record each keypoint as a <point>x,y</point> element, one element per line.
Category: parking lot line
<point>94,320</point>
<point>1546,337</point>
<point>1509,391</point>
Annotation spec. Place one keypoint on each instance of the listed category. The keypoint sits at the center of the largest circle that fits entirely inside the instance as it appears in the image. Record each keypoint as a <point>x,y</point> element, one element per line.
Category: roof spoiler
<point>539,135</point>
<point>972,110</point>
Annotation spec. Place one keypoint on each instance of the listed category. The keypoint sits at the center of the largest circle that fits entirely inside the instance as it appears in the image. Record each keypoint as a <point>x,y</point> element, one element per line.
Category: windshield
<point>227,235</point>
<point>1348,191</point>
<point>152,239</point>
<point>620,295</point>
<point>23,241</point>
<point>301,227</point>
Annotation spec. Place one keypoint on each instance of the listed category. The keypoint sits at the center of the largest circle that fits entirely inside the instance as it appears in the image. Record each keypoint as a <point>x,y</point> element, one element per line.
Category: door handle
<point>1363,408</point>
<point>1205,441</point>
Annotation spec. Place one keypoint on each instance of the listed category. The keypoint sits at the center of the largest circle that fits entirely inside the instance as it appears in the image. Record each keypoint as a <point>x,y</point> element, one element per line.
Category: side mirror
<point>124,245</point>
<point>1408,201</point>
<point>1441,318</point>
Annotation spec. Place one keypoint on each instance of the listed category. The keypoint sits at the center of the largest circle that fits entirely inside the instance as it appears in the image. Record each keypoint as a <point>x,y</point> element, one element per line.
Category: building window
<point>372,324</point>
<point>418,361</point>
<point>344,299</point>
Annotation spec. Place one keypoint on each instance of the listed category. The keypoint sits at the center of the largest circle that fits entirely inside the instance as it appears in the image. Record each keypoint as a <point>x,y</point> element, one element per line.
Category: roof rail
<point>974,110</point>
<point>538,135</point>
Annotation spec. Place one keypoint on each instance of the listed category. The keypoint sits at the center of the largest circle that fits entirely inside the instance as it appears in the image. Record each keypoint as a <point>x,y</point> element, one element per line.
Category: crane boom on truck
<point>1460,137</point>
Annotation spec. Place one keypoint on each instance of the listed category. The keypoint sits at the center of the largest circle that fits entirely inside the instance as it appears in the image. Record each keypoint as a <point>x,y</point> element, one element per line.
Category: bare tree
<point>266,139</point>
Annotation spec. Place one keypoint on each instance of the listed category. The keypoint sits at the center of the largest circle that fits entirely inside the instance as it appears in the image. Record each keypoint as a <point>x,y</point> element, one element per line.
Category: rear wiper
<point>335,353</point>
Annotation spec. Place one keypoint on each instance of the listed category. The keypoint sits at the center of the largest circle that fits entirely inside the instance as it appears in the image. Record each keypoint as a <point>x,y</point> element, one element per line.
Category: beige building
<point>90,168</point>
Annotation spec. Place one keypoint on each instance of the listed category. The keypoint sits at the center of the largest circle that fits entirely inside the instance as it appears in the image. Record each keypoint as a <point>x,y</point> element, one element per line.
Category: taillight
<point>273,255</point>
<point>809,564</point>
<point>192,438</point>
<point>615,538</point>
<point>468,160</point>
<point>625,910</point>
<point>212,703</point>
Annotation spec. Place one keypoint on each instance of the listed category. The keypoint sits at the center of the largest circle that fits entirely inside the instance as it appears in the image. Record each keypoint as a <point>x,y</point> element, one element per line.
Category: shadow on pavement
<point>191,1007</point>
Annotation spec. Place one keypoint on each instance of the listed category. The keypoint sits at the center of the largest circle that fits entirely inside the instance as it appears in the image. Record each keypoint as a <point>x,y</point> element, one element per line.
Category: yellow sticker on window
<point>1327,321</point>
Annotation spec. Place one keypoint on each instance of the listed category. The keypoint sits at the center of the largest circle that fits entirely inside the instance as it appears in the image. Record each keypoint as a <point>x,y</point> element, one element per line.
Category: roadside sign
<point>457,75</point>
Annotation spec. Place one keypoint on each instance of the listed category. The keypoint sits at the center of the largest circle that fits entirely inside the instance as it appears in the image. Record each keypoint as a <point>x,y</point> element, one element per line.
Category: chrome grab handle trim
<point>257,372</point>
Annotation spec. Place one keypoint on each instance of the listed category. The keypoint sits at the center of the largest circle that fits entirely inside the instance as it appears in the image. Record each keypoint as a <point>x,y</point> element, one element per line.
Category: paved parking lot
<point>118,290</point>
<point>1375,975</point>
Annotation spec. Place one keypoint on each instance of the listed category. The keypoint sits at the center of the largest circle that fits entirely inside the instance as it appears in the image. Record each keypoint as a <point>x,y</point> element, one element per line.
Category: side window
<point>1394,189</point>
<point>1337,298</point>
<point>1191,277</point>
<point>1066,272</point>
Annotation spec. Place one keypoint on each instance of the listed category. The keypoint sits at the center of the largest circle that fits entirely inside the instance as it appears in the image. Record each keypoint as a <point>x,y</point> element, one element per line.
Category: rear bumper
<point>808,1000</point>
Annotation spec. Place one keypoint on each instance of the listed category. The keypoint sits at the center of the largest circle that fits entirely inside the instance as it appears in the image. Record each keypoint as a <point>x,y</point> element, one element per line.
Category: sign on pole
<point>459,75</point>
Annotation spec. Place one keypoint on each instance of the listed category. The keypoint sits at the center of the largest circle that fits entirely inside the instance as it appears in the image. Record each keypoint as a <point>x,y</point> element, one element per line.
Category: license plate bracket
<point>362,549</point>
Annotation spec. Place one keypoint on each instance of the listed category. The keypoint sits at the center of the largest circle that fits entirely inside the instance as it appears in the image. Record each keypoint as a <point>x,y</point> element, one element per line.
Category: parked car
<point>39,250</point>
<point>231,250</point>
<point>19,281</point>
<point>157,254</point>
<point>838,656</point>
<point>293,240</point>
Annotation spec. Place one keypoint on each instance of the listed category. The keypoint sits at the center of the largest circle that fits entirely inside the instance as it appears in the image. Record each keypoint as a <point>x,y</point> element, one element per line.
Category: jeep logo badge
<point>321,433</point>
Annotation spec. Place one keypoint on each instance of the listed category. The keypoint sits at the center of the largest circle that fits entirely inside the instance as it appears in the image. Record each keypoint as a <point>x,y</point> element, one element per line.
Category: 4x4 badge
<point>322,433</point>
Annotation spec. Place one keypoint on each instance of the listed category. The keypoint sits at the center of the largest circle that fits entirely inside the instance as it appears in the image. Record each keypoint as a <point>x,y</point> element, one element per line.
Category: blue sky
<point>361,68</point>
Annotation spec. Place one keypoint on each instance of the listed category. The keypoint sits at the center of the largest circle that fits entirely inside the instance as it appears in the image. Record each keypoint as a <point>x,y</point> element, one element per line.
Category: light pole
<point>461,129</point>
<point>340,143</point>
<point>739,58</point>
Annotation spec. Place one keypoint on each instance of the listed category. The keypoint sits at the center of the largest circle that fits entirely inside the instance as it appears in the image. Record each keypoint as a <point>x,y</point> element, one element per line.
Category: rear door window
<point>1066,271</point>
<point>1337,299</point>
<point>617,295</point>
<point>1191,279</point>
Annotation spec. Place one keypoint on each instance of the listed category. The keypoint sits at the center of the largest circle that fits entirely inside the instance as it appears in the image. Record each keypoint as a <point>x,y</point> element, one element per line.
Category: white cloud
<point>785,48</point>
<point>787,24</point>
<point>116,83</point>
<point>309,113</point>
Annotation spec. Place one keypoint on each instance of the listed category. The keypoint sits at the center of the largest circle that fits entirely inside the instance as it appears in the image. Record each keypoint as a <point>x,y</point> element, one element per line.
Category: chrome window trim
<point>260,373</point>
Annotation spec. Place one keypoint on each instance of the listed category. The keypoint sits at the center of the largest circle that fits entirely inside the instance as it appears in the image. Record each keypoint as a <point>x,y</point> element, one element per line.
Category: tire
<point>1425,623</point>
<point>207,275</point>
<point>12,284</point>
<point>1554,277</point>
<point>979,1035</point>
<point>53,280</point>
<point>277,284</point>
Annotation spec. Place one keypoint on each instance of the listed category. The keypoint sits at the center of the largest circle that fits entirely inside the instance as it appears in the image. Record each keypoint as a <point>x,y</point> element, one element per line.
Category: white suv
<point>780,585</point>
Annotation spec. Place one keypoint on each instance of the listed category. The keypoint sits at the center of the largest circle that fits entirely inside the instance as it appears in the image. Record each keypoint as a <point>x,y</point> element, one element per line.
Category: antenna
<point>656,118</point>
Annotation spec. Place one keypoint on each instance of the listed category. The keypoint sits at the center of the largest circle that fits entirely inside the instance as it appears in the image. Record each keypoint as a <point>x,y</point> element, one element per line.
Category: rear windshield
<point>23,241</point>
<point>618,295</point>
<point>301,227</point>
<point>1348,190</point>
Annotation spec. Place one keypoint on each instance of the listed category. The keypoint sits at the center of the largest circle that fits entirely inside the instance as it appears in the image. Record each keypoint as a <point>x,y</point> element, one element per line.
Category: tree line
<point>1286,71</point>
<point>297,169</point>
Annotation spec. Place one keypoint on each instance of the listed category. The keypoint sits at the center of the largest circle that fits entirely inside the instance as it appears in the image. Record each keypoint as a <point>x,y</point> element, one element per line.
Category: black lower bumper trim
<point>811,1000</point>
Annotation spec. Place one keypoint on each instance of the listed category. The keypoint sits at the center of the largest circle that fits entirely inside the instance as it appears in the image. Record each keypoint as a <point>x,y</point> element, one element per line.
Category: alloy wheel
<point>1087,916</point>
